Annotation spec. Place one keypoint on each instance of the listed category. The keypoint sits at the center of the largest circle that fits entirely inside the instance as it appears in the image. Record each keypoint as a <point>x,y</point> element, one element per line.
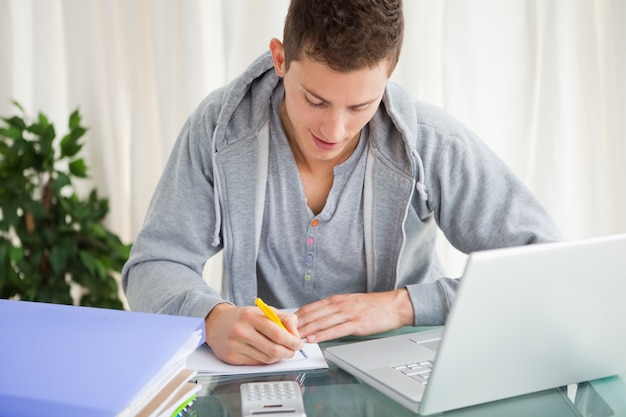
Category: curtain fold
<point>544,84</point>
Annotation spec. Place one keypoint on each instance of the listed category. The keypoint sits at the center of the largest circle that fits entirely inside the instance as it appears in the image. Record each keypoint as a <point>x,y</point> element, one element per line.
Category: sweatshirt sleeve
<point>477,202</point>
<point>163,277</point>
<point>480,204</point>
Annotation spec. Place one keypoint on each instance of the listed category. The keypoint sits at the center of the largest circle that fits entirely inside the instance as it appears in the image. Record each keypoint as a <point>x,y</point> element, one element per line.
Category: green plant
<point>52,240</point>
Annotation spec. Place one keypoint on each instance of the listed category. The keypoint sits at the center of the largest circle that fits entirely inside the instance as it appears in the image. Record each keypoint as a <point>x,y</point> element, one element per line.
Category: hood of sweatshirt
<point>241,116</point>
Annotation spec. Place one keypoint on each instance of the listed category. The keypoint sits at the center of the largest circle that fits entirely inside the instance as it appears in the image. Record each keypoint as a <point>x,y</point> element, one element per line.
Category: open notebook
<point>204,361</point>
<point>525,319</point>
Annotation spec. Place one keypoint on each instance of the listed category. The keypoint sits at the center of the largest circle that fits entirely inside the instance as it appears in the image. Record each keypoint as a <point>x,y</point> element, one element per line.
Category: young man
<point>324,184</point>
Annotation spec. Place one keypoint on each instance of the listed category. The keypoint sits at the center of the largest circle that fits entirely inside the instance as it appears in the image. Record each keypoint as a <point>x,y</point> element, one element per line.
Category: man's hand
<point>355,314</point>
<point>244,336</point>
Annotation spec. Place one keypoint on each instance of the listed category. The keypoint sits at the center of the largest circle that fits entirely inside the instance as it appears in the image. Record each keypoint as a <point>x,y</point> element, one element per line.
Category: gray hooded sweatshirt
<point>424,170</point>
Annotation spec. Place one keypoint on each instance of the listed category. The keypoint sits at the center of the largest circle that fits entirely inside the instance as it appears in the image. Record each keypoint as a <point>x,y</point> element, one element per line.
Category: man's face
<point>325,110</point>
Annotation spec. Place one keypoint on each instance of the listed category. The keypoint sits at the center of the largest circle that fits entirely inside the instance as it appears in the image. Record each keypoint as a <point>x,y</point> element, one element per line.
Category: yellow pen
<point>271,314</point>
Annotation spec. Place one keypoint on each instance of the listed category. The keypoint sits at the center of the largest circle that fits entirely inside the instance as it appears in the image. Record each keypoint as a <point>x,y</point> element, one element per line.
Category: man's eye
<point>359,109</point>
<point>312,104</point>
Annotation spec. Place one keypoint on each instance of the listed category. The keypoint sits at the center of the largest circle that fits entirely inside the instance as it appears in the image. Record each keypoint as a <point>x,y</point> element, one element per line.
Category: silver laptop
<point>525,319</point>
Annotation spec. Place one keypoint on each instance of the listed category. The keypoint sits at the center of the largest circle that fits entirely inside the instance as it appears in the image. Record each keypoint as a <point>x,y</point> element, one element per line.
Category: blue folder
<point>58,360</point>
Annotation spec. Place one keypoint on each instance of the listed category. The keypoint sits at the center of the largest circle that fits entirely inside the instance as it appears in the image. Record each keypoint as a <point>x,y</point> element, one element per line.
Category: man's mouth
<point>322,144</point>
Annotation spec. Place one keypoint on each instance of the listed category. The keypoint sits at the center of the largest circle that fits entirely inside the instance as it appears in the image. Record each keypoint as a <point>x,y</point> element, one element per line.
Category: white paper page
<point>205,362</point>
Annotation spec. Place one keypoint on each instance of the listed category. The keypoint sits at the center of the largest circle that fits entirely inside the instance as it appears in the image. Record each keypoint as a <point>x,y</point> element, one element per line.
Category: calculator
<point>271,399</point>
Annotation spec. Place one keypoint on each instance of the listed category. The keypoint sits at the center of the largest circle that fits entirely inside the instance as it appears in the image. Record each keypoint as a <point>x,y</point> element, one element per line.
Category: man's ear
<point>278,56</point>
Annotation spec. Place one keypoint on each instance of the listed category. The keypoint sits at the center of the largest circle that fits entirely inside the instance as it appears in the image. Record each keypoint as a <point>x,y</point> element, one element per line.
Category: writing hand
<point>354,314</point>
<point>244,336</point>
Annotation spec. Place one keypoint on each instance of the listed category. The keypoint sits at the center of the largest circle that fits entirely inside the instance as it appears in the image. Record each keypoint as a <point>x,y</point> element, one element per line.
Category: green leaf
<point>44,131</point>
<point>98,230</point>
<point>9,213</point>
<point>4,148</point>
<point>18,105</point>
<point>90,261</point>
<point>5,248</point>
<point>69,143</point>
<point>43,120</point>
<point>16,253</point>
<point>11,132</point>
<point>74,121</point>
<point>124,251</point>
<point>61,180</point>
<point>78,168</point>
<point>46,142</point>
<point>93,264</point>
<point>15,121</point>
<point>60,254</point>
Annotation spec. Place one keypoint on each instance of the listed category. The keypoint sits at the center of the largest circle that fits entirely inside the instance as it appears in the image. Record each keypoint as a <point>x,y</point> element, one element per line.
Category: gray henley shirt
<point>315,256</point>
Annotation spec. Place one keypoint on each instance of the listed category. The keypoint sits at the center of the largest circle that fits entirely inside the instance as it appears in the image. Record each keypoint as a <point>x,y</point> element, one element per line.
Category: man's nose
<point>333,126</point>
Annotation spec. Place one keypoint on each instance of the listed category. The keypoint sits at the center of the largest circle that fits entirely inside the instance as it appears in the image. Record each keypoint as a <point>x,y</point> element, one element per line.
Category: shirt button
<point>310,241</point>
<point>307,277</point>
<point>315,222</point>
<point>309,258</point>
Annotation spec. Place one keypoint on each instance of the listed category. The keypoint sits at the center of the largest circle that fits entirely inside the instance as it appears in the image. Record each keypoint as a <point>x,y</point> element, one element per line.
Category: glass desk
<point>335,393</point>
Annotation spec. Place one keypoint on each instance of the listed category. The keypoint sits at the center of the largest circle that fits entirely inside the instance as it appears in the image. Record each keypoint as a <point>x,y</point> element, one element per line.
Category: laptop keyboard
<point>419,371</point>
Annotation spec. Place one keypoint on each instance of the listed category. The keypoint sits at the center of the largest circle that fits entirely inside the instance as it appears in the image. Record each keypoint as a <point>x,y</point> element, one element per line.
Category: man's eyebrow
<point>323,100</point>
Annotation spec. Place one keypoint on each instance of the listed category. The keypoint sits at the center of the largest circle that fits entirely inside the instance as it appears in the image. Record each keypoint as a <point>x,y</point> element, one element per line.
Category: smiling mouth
<point>327,146</point>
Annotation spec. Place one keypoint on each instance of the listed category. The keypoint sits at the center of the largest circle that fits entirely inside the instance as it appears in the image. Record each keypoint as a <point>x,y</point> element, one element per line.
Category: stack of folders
<point>58,360</point>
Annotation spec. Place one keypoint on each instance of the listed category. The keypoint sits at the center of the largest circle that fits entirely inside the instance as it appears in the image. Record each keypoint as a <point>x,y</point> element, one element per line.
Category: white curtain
<point>543,82</point>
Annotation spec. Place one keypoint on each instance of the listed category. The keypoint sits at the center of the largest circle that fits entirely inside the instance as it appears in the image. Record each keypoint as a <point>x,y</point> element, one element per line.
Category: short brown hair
<point>344,34</point>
